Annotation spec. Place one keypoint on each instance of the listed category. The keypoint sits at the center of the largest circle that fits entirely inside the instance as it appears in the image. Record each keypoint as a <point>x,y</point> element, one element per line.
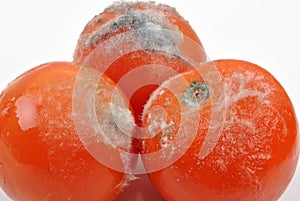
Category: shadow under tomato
<point>141,189</point>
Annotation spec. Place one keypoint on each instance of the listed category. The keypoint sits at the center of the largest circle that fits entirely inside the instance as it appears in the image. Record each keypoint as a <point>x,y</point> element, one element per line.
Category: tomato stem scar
<point>196,94</point>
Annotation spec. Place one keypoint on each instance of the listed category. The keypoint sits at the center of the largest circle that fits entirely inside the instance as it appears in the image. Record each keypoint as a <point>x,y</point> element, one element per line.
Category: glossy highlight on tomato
<point>42,156</point>
<point>248,154</point>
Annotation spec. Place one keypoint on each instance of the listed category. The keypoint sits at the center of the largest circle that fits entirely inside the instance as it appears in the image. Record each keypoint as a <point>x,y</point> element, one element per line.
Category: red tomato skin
<point>255,156</point>
<point>41,155</point>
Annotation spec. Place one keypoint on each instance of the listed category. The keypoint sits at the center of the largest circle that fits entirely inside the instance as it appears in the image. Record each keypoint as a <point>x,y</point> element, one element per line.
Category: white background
<point>263,32</point>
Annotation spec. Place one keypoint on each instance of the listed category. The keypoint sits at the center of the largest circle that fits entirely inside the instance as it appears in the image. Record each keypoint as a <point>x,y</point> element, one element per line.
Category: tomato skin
<point>256,154</point>
<point>41,155</point>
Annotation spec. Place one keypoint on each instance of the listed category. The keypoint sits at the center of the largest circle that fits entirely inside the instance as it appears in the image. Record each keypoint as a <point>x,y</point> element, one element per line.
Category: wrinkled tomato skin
<point>256,154</point>
<point>41,155</point>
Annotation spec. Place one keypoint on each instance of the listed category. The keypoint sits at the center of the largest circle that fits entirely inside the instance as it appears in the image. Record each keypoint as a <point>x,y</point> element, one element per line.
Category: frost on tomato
<point>245,146</point>
<point>41,154</point>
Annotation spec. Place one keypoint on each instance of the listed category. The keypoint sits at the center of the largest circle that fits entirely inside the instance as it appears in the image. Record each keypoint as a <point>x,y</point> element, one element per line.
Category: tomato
<point>226,130</point>
<point>128,36</point>
<point>43,155</point>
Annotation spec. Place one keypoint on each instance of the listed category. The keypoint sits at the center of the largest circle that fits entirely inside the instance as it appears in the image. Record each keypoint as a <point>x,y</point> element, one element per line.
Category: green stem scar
<point>196,94</point>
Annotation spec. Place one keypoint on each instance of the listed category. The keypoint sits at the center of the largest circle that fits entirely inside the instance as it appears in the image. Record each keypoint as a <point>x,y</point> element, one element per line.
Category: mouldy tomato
<point>128,36</point>
<point>42,156</point>
<point>123,17</point>
<point>236,139</point>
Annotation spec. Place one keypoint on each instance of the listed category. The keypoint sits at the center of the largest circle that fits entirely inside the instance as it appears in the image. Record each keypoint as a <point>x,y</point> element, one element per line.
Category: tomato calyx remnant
<point>196,94</point>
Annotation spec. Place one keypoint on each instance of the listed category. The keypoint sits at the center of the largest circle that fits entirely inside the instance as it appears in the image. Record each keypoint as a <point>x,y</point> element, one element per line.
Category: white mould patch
<point>151,25</point>
<point>123,119</point>
<point>128,161</point>
<point>156,120</point>
<point>167,153</point>
<point>122,7</point>
<point>166,140</point>
<point>236,88</point>
<point>168,128</point>
<point>156,126</point>
<point>115,126</point>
